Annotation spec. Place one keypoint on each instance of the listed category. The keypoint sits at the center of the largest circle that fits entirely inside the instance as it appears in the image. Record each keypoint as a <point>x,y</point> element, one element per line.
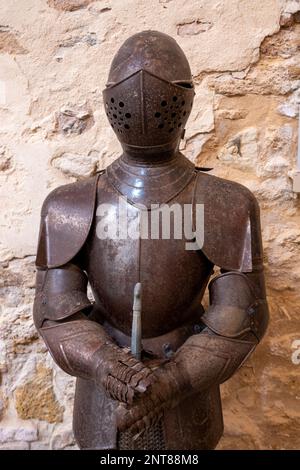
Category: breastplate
<point>173,279</point>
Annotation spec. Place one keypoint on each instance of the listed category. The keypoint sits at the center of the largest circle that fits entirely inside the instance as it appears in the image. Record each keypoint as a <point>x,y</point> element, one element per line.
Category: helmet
<point>149,94</point>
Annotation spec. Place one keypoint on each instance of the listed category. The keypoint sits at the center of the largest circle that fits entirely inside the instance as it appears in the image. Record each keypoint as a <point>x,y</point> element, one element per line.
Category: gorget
<point>146,184</point>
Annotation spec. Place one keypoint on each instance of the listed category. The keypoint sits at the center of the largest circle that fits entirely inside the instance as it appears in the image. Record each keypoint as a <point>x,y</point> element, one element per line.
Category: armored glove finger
<point>123,377</point>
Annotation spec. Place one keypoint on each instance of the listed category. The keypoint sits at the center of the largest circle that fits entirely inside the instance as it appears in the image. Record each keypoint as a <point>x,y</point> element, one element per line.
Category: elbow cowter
<point>234,323</point>
<point>235,307</point>
<point>60,293</point>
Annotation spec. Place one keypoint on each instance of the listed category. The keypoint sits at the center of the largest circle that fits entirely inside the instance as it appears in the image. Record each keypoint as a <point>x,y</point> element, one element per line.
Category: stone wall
<point>54,59</point>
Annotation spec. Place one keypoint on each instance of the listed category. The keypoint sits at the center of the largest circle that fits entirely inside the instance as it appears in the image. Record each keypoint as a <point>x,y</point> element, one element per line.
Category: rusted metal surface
<point>170,398</point>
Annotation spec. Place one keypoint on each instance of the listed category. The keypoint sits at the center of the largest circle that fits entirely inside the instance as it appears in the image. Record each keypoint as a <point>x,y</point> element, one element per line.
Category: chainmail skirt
<point>151,439</point>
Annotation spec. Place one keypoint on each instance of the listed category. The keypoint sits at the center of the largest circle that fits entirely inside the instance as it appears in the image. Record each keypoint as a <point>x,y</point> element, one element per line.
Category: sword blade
<point>136,334</point>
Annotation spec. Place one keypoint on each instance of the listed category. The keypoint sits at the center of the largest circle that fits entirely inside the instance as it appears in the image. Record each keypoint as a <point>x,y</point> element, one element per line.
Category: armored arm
<point>237,317</point>
<point>233,324</point>
<point>78,345</point>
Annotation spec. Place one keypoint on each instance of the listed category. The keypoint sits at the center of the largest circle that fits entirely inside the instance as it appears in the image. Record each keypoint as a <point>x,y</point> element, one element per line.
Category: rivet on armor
<point>168,352</point>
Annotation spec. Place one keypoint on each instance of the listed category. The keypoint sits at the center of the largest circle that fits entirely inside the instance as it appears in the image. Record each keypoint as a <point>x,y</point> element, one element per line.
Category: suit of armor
<point>168,399</point>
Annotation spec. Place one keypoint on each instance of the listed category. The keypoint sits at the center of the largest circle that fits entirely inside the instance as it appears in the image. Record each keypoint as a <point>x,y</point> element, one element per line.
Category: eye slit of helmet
<point>183,84</point>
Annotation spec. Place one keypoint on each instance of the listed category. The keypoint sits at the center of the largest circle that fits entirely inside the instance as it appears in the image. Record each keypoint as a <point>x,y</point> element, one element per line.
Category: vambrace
<point>235,322</point>
<point>81,347</point>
